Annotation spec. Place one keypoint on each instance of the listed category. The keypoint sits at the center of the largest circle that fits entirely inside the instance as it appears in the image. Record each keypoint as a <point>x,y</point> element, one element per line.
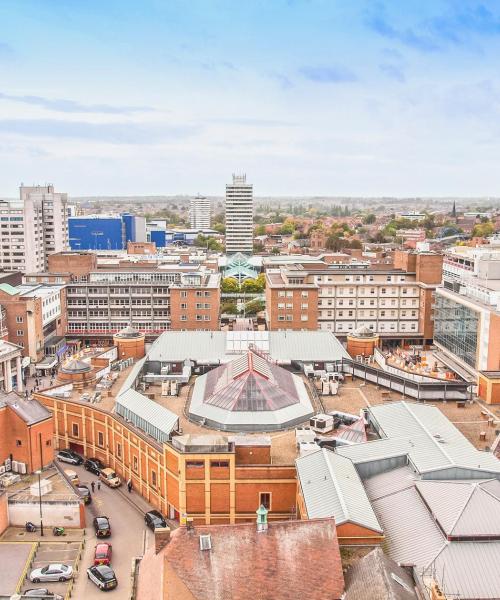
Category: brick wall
<point>183,303</point>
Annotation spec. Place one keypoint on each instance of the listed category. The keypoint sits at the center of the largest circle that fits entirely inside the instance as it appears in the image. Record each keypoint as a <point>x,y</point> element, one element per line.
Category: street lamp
<point>40,501</point>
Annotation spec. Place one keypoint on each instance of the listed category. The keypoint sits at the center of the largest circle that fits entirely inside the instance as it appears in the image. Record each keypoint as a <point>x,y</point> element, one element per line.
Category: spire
<point>454,210</point>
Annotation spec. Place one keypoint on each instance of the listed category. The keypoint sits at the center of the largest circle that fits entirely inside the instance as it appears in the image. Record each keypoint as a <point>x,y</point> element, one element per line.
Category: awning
<point>47,363</point>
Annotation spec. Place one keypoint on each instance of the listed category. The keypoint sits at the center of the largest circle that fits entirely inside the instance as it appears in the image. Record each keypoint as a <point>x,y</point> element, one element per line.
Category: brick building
<point>26,433</point>
<point>395,301</point>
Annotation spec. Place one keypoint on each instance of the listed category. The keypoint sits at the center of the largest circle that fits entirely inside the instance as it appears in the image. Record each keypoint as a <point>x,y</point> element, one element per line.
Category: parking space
<point>14,559</point>
<point>66,552</point>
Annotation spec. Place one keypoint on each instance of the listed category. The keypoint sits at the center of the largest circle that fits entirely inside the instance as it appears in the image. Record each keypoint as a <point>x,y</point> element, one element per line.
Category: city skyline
<point>308,98</point>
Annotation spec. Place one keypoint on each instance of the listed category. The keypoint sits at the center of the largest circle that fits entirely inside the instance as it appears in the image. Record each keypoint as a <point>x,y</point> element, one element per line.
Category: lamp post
<point>40,501</point>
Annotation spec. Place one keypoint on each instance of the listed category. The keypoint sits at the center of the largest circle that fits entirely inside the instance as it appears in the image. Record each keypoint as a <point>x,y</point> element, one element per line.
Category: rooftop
<point>244,564</point>
<point>30,411</point>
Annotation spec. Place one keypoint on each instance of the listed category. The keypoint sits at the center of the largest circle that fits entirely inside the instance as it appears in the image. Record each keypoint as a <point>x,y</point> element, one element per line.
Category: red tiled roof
<point>293,559</point>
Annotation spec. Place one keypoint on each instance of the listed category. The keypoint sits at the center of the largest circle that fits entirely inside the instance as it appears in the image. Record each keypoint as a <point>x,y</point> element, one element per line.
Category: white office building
<point>199,212</point>
<point>239,216</point>
<point>32,227</point>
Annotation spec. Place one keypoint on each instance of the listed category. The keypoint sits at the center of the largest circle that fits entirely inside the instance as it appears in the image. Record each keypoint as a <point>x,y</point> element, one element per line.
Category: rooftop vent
<point>205,542</point>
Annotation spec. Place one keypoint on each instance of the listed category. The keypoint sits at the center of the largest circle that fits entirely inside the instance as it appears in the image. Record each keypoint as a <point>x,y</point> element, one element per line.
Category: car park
<point>42,593</point>
<point>110,478</point>
<point>102,526</point>
<point>102,554</point>
<point>155,519</point>
<point>85,493</point>
<point>94,465</point>
<point>68,456</point>
<point>103,576</point>
<point>53,572</point>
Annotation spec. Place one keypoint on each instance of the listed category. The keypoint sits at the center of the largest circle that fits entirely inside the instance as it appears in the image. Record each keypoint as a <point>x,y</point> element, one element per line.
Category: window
<point>75,430</point>
<point>304,294</point>
<point>19,319</point>
<point>19,443</point>
<point>289,317</point>
<point>135,464</point>
<point>219,463</point>
<point>265,500</point>
<point>184,318</point>
<point>281,294</point>
<point>100,439</point>
<point>304,306</point>
<point>48,443</point>
<point>184,294</point>
<point>153,478</point>
<point>184,305</point>
<point>20,332</point>
<point>289,294</point>
<point>119,450</point>
<point>303,317</point>
<point>195,464</point>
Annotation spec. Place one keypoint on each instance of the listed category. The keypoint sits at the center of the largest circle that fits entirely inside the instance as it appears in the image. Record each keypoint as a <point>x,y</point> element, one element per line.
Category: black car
<point>41,593</point>
<point>154,519</point>
<point>103,576</point>
<point>68,456</point>
<point>102,527</point>
<point>85,493</point>
<point>94,465</point>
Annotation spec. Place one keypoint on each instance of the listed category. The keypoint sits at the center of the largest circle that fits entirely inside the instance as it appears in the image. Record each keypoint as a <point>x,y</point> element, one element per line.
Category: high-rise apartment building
<point>32,227</point>
<point>199,212</point>
<point>239,216</point>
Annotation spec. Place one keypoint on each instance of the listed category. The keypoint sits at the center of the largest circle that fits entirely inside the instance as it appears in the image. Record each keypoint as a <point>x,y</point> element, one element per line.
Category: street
<point>128,537</point>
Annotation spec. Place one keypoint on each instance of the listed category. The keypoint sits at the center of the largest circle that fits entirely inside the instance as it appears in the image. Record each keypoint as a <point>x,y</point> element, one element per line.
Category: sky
<point>307,97</point>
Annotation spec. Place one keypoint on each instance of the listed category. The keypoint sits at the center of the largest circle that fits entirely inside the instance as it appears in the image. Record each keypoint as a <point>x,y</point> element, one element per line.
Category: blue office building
<point>177,237</point>
<point>105,232</point>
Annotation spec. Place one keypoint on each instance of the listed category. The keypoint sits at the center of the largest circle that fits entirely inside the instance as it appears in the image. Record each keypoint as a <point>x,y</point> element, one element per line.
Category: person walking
<point>92,485</point>
<point>129,486</point>
<point>99,485</point>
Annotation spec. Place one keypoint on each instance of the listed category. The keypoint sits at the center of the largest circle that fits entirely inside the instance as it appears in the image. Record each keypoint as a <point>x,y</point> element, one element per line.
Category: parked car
<point>94,465</point>
<point>103,576</point>
<point>102,527</point>
<point>85,492</point>
<point>102,554</point>
<point>53,572</point>
<point>155,519</point>
<point>72,476</point>
<point>110,478</point>
<point>41,593</point>
<point>68,456</point>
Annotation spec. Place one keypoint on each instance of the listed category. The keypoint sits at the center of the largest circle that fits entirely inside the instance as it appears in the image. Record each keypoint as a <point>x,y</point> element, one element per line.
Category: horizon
<point>309,98</point>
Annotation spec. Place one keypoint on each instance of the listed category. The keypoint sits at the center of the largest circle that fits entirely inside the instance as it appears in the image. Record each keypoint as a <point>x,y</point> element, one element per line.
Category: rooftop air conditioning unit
<point>205,542</point>
<point>8,464</point>
<point>2,470</point>
<point>15,466</point>
<point>22,468</point>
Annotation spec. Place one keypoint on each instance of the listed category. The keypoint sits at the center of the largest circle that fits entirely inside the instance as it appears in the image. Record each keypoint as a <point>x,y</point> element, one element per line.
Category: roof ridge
<point>461,512</point>
<point>335,485</point>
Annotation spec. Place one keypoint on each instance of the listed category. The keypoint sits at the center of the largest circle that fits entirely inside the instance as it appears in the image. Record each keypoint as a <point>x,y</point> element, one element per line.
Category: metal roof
<point>468,570</point>
<point>431,441</point>
<point>331,487</point>
<point>30,411</point>
<point>151,417</point>
<point>212,347</point>
<point>464,508</point>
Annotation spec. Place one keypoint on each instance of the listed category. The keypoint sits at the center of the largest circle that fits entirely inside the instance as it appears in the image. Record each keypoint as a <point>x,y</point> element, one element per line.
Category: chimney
<point>261,518</point>
<point>162,538</point>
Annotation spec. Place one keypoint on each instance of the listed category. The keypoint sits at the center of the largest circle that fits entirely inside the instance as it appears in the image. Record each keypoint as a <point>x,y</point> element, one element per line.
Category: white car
<point>54,572</point>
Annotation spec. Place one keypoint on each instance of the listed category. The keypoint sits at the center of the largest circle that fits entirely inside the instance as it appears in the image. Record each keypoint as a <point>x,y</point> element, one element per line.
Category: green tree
<point>369,219</point>
<point>229,285</point>
<point>483,229</point>
<point>254,306</point>
<point>260,230</point>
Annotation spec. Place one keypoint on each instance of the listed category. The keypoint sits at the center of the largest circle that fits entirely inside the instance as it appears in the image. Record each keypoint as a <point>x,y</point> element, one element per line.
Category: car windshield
<point>45,569</point>
<point>102,523</point>
<point>111,475</point>
<point>107,574</point>
<point>101,552</point>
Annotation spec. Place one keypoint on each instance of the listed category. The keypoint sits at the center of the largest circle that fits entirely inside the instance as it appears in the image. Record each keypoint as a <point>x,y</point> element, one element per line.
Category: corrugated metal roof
<point>331,487</point>
<point>306,346</point>
<point>463,508</point>
<point>468,570</point>
<point>146,414</point>
<point>431,440</point>
<point>174,346</point>
<point>411,535</point>
<point>390,482</point>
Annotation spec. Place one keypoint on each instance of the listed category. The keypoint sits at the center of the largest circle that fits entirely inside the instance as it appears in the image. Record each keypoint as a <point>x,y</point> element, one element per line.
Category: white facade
<point>32,227</point>
<point>239,216</point>
<point>199,212</point>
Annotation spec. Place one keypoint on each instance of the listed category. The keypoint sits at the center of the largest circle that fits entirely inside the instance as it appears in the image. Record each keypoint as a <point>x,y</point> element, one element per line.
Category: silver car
<point>41,593</point>
<point>54,572</point>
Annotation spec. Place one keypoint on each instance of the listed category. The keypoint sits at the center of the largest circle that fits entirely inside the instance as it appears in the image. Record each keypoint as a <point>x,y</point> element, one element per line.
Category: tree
<point>275,250</point>
<point>229,285</point>
<point>287,228</point>
<point>483,229</point>
<point>228,308</point>
<point>369,219</point>
<point>208,242</point>
<point>260,230</point>
<point>254,306</point>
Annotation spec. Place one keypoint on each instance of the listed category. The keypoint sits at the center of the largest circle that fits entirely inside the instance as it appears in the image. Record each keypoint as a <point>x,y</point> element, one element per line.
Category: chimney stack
<point>162,538</point>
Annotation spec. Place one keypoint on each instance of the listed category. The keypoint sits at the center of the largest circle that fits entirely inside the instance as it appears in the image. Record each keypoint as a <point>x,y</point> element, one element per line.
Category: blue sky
<point>308,97</point>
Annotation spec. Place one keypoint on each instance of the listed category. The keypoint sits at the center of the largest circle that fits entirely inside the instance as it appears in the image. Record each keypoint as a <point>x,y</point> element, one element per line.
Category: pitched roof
<point>464,508</point>
<point>422,432</point>
<point>377,577</point>
<point>331,487</point>
<point>30,411</point>
<point>293,559</point>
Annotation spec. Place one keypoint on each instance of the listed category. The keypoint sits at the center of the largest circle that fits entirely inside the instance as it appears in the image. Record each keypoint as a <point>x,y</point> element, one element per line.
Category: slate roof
<point>30,411</point>
<point>293,559</point>
<point>377,577</point>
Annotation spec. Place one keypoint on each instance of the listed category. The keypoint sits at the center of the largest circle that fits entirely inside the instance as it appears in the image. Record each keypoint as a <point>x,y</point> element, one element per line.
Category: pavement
<point>129,536</point>
<point>13,559</point>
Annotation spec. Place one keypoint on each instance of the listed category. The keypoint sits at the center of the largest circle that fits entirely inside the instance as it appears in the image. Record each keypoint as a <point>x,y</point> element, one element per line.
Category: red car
<point>102,555</point>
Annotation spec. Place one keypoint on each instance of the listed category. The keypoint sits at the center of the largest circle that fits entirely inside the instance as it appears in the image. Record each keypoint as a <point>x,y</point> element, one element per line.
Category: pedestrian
<point>92,485</point>
<point>99,485</point>
<point>129,486</point>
